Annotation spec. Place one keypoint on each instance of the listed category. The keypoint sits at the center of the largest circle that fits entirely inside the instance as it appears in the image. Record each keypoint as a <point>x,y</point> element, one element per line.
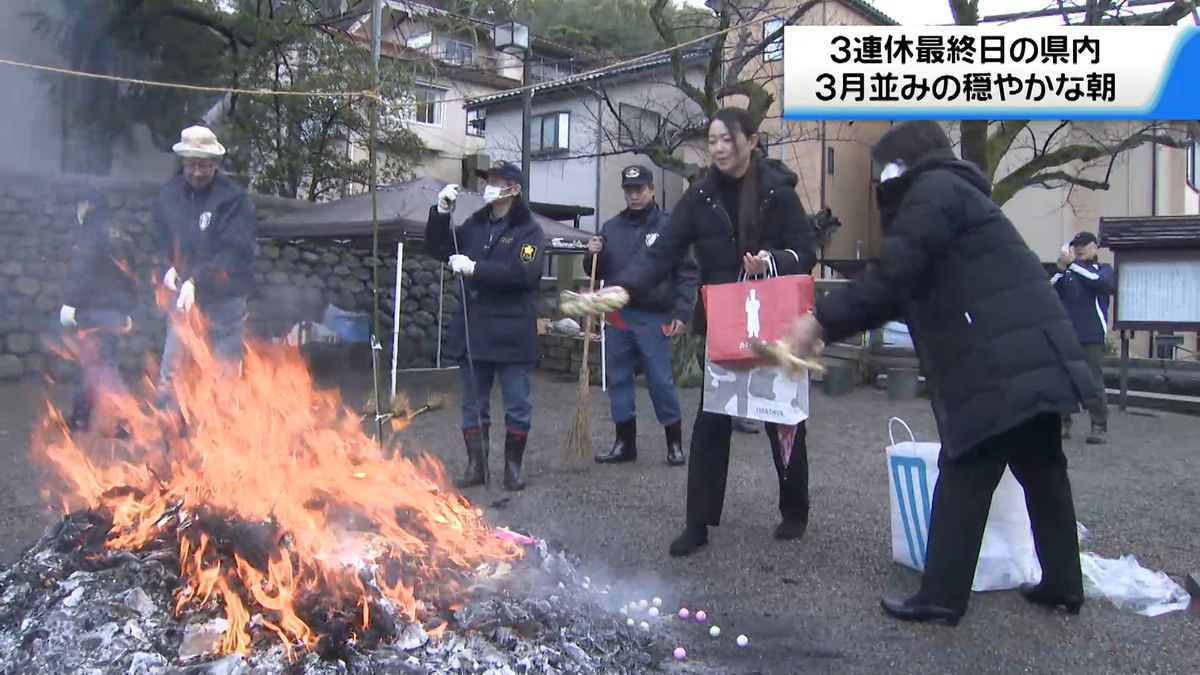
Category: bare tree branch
<point>740,62</point>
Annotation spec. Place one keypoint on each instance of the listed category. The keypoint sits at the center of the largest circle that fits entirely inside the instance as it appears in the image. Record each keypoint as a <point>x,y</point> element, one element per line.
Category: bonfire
<point>276,525</point>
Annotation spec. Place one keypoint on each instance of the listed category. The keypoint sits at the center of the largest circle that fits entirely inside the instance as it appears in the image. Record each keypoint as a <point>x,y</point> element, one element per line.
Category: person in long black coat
<point>498,252</point>
<point>100,296</point>
<point>998,352</point>
<point>743,213</point>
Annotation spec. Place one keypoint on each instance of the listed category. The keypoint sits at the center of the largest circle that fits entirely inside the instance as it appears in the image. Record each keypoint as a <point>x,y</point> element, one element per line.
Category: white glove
<point>463,265</point>
<point>66,316</point>
<point>171,279</point>
<point>187,296</point>
<point>447,198</point>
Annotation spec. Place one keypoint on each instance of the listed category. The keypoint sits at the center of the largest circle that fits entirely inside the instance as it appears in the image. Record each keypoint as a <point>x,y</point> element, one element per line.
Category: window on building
<point>1193,166</point>
<point>550,133</point>
<point>774,51</point>
<point>426,105</point>
<point>458,53</point>
<point>638,127</point>
<point>476,121</point>
<point>420,40</point>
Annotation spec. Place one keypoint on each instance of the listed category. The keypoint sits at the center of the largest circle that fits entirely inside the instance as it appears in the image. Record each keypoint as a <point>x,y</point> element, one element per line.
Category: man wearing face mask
<point>641,332</point>
<point>999,354</point>
<point>206,229</point>
<point>498,253</point>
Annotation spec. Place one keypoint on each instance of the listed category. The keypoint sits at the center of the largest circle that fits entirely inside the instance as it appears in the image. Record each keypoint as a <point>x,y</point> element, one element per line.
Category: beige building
<point>454,60</point>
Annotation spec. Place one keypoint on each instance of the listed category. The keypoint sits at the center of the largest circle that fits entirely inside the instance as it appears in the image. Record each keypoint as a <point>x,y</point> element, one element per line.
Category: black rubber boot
<point>624,448</point>
<point>514,454</point>
<point>675,444</point>
<point>477,452</point>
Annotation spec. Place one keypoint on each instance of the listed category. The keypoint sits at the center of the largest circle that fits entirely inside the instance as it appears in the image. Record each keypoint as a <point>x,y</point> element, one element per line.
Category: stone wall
<point>562,355</point>
<point>295,280</point>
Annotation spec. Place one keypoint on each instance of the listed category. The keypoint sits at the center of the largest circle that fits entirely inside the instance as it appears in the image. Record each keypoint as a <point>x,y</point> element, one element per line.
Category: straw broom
<point>579,436</point>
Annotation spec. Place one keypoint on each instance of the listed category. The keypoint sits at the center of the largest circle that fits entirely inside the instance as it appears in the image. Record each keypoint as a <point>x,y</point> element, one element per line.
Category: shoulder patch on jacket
<point>528,251</point>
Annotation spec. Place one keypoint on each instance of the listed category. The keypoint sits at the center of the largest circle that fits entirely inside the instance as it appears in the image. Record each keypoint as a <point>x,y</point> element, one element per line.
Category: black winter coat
<point>624,236</point>
<point>501,295</point>
<point>208,235</point>
<point>101,275</point>
<point>995,344</point>
<point>700,220</point>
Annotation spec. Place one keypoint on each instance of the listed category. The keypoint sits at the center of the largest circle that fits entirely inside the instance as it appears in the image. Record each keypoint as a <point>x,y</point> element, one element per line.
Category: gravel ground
<point>809,606</point>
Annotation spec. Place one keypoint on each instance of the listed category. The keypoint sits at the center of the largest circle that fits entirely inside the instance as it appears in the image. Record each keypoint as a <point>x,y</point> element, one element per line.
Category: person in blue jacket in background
<point>1085,284</point>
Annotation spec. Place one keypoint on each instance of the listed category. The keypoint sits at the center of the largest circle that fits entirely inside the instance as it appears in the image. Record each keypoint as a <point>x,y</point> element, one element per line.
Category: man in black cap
<point>641,332</point>
<point>498,251</point>
<point>1084,284</point>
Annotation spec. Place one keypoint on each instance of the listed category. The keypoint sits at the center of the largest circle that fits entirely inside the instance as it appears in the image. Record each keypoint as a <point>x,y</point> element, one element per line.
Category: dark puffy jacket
<point>1084,288</point>
<point>995,343</point>
<point>101,276</point>
<point>501,296</point>
<point>624,236</point>
<point>700,220</point>
<point>208,235</point>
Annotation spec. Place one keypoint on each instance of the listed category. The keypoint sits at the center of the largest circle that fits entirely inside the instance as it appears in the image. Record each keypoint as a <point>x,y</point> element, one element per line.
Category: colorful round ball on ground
<point>680,653</point>
<point>654,611</point>
<point>642,604</point>
<point>629,622</point>
<point>715,631</point>
<point>701,616</point>
<point>684,613</point>
<point>644,626</point>
<point>657,602</point>
<point>742,640</point>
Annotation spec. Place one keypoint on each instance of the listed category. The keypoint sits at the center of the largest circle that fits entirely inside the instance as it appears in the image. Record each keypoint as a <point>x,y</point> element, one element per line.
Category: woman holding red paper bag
<point>741,218</point>
<point>998,351</point>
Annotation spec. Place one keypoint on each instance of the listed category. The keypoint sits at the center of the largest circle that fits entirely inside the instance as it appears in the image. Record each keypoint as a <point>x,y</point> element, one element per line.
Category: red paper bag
<point>759,309</point>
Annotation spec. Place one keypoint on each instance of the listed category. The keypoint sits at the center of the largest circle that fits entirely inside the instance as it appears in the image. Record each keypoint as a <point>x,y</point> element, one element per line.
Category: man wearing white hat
<point>206,229</point>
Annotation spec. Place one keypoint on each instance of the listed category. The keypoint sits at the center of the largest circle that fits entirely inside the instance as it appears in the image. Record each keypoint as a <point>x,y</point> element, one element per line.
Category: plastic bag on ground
<point>1128,585</point>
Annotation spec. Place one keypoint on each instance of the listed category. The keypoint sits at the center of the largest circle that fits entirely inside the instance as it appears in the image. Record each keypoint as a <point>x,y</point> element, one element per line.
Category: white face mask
<point>892,170</point>
<point>492,192</point>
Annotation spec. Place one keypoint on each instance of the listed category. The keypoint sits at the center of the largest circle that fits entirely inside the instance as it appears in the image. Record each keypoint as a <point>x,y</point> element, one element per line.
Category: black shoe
<point>624,448</point>
<point>910,609</point>
<point>692,538</point>
<point>744,425</point>
<point>791,528</point>
<point>675,444</point>
<point>514,454</point>
<point>476,441</point>
<point>1038,595</point>
<point>1097,435</point>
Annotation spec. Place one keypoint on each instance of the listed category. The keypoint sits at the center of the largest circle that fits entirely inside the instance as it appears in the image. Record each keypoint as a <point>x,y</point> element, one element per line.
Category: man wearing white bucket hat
<point>205,224</point>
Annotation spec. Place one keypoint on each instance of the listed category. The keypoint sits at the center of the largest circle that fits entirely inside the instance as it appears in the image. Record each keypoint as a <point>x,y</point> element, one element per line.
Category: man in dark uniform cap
<point>642,331</point>
<point>499,252</point>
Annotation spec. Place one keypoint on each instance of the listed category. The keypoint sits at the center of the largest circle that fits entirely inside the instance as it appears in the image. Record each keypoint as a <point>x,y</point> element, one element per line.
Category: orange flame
<point>309,504</point>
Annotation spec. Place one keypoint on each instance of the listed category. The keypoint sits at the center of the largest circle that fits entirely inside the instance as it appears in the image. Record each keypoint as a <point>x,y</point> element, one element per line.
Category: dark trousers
<point>477,379</point>
<point>98,344</point>
<point>1093,353</point>
<point>640,341</point>
<point>708,468</point>
<point>963,498</point>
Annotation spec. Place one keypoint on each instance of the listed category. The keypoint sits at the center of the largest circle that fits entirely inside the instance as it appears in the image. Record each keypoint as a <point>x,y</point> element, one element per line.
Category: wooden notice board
<point>1157,264</point>
<point>1157,289</point>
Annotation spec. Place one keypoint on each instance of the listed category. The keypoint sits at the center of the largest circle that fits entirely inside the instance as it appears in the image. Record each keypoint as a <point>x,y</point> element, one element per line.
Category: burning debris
<point>65,609</point>
<point>268,533</point>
